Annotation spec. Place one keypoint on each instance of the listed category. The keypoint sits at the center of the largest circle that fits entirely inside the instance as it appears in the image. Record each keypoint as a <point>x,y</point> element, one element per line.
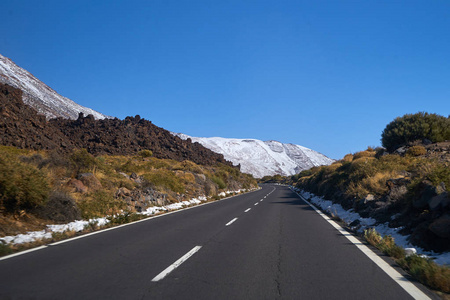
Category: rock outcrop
<point>21,126</point>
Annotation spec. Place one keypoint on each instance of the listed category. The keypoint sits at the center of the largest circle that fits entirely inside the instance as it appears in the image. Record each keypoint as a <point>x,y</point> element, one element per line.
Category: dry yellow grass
<point>365,153</point>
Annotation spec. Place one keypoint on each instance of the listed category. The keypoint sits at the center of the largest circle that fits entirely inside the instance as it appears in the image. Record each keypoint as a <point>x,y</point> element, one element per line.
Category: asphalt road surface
<point>268,244</point>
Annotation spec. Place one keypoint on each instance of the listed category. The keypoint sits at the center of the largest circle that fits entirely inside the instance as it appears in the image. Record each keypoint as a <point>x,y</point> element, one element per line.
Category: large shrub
<point>22,186</point>
<point>412,127</point>
<point>165,180</point>
<point>82,160</point>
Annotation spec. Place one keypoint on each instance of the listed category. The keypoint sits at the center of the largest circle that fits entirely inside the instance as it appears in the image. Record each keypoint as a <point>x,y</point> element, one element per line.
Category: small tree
<point>412,127</point>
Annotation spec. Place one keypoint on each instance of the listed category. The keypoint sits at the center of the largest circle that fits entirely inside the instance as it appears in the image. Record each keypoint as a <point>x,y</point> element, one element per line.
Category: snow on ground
<point>348,216</point>
<point>261,158</point>
<point>80,225</point>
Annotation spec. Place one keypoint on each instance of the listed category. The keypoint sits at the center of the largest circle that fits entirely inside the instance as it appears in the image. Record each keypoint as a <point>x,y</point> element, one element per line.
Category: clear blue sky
<point>328,75</point>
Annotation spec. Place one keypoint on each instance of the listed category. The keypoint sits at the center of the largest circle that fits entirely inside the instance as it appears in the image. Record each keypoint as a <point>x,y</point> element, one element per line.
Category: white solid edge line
<point>23,252</point>
<point>247,210</point>
<point>142,220</point>
<point>118,226</point>
<point>231,222</point>
<point>407,285</point>
<point>176,264</point>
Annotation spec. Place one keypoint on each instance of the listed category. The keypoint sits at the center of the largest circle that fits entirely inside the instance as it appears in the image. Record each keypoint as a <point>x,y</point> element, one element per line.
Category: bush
<point>5,249</point>
<point>145,153</point>
<point>423,269</point>
<point>348,158</point>
<point>416,151</point>
<point>366,153</point>
<point>412,127</point>
<point>124,218</point>
<point>219,181</point>
<point>60,207</point>
<point>385,244</point>
<point>100,204</point>
<point>372,236</point>
<point>82,161</point>
<point>428,272</point>
<point>165,180</point>
<point>22,186</point>
<point>440,173</point>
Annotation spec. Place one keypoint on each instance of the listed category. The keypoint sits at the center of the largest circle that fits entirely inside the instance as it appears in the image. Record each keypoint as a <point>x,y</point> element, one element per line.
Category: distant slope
<point>39,95</point>
<point>263,158</point>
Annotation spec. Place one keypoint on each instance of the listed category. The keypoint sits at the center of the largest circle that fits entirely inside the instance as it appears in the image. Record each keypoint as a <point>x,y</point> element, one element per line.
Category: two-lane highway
<point>268,244</point>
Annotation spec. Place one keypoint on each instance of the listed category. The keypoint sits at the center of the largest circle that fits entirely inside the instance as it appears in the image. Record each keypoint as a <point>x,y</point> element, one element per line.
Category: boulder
<point>440,201</point>
<point>428,191</point>
<point>60,208</point>
<point>136,178</point>
<point>401,151</point>
<point>140,199</point>
<point>89,180</point>
<point>76,186</point>
<point>397,188</point>
<point>410,251</point>
<point>369,198</point>
<point>122,192</point>
<point>441,227</point>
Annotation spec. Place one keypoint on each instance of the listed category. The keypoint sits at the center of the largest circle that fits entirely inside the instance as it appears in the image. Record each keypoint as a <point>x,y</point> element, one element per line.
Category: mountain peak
<point>261,158</point>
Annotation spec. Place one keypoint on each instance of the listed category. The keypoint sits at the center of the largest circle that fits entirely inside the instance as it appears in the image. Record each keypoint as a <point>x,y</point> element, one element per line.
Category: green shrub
<point>440,173</point>
<point>388,246</point>
<point>412,127</point>
<point>82,160</point>
<point>145,153</point>
<point>22,186</point>
<point>129,166</point>
<point>372,236</point>
<point>165,179</point>
<point>427,272</point>
<point>124,218</point>
<point>219,181</point>
<point>385,244</point>
<point>423,269</point>
<point>5,249</point>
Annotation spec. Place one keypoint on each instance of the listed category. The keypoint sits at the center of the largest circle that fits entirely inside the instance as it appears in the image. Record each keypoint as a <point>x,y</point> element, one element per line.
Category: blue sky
<point>327,75</point>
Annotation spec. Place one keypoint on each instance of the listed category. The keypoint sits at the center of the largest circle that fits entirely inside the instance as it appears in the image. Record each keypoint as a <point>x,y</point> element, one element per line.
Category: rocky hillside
<point>21,126</point>
<point>408,189</point>
<point>263,158</point>
<point>39,95</point>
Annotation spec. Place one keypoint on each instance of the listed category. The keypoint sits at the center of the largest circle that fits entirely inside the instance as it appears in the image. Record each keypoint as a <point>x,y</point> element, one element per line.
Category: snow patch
<point>80,225</point>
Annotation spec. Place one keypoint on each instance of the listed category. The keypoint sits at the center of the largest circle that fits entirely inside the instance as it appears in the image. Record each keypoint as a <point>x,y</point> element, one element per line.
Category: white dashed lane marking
<point>231,222</point>
<point>176,264</point>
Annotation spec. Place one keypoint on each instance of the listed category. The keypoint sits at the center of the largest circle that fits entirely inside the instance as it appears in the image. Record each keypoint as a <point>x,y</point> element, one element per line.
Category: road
<point>268,244</point>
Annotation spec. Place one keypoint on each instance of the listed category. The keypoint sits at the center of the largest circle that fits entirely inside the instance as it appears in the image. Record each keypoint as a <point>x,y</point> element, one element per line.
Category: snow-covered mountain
<point>261,158</point>
<point>39,95</point>
<point>255,157</point>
